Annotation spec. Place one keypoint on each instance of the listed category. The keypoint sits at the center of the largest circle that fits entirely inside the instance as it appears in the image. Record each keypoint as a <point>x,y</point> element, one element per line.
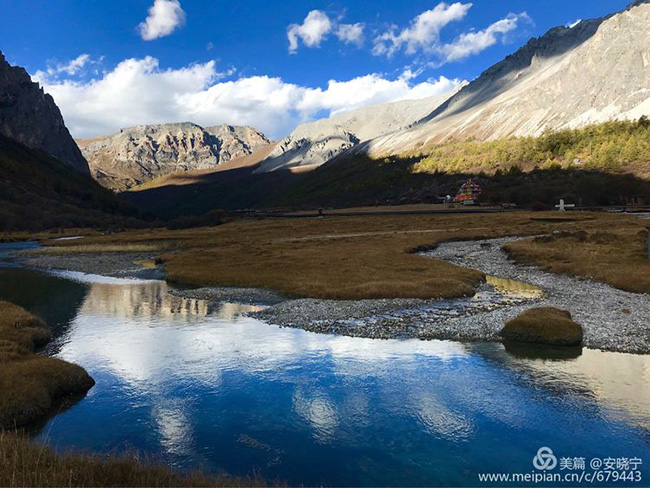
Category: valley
<point>399,248</point>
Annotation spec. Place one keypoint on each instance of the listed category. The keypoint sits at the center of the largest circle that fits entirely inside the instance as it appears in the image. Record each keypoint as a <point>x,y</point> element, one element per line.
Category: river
<point>196,385</point>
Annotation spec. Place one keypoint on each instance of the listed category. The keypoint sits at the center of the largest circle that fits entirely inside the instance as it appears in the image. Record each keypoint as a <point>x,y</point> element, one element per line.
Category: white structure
<point>562,207</point>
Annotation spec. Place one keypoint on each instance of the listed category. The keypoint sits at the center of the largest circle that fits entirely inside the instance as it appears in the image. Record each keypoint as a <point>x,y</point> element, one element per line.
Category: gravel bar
<point>115,265</point>
<point>253,296</point>
<point>612,319</point>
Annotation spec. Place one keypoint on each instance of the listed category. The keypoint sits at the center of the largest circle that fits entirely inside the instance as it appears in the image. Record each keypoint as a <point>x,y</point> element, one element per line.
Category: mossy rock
<point>545,325</point>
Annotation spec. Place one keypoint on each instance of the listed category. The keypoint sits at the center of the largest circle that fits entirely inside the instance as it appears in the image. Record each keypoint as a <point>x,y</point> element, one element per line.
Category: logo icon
<point>544,460</point>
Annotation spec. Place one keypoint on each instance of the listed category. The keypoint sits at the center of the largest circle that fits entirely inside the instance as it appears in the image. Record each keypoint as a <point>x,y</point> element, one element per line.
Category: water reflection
<point>206,386</point>
<point>515,289</point>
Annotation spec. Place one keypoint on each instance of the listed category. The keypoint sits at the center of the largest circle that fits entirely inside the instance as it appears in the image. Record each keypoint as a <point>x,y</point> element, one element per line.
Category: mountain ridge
<point>594,71</point>
<point>138,154</point>
<point>314,143</point>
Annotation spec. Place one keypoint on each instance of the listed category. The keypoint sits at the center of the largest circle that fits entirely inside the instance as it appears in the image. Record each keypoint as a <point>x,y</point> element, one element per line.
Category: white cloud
<point>471,43</point>
<point>71,68</point>
<point>424,31</point>
<point>315,28</point>
<point>138,91</point>
<point>423,35</point>
<point>165,16</point>
<point>351,33</point>
<point>75,65</point>
<point>373,89</point>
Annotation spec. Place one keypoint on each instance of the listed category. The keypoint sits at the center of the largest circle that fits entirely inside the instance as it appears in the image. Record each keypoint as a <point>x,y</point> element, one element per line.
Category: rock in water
<point>30,116</point>
<point>140,154</point>
<point>545,325</point>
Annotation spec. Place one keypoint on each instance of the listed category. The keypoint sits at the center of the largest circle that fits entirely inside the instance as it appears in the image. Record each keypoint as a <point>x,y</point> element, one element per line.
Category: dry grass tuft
<point>31,384</point>
<point>544,325</point>
<point>21,327</point>
<point>26,464</point>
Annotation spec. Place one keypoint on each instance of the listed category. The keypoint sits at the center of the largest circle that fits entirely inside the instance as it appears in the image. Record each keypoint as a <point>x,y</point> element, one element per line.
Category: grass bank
<point>24,463</point>
<point>353,257</point>
<point>616,256</point>
<point>31,384</point>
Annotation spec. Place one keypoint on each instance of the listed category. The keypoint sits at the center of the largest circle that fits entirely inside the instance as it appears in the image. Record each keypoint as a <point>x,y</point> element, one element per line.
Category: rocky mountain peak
<point>30,116</point>
<point>139,154</point>
<point>591,72</point>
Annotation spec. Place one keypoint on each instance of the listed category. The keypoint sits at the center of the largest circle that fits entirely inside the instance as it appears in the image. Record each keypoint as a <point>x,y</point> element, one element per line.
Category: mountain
<point>140,154</point>
<point>315,143</point>
<point>38,192</point>
<point>30,116</point>
<point>594,71</point>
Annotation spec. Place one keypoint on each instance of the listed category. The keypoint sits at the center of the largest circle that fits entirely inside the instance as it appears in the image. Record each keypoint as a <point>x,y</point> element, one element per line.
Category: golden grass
<point>616,256</point>
<point>27,464</point>
<point>352,257</point>
<point>97,248</point>
<point>544,325</point>
<point>31,384</point>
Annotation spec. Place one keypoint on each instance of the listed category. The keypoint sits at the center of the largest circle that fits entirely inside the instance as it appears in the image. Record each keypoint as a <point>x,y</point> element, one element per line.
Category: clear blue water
<point>197,386</point>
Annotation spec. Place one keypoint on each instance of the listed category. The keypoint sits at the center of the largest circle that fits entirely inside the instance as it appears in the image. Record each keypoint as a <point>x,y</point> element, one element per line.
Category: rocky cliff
<point>140,154</point>
<point>30,116</point>
<point>594,71</point>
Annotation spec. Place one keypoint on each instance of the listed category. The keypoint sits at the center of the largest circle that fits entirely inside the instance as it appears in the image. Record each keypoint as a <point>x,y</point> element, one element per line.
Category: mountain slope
<point>315,143</point>
<point>30,116</point>
<point>38,192</point>
<point>595,71</point>
<point>140,154</point>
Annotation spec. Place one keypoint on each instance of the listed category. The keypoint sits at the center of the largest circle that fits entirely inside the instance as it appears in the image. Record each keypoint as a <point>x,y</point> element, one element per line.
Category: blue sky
<point>230,62</point>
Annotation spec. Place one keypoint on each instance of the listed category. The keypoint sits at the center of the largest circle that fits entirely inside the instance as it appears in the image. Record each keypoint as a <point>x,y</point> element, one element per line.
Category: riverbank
<point>31,385</point>
<point>363,277</point>
<point>112,264</point>
<point>28,464</point>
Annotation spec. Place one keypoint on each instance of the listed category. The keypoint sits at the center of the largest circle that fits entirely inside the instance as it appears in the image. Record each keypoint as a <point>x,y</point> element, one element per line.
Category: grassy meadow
<point>358,257</point>
<point>617,256</point>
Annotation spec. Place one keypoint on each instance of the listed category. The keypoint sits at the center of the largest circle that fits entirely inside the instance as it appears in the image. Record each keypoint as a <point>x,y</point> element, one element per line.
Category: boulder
<point>545,325</point>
